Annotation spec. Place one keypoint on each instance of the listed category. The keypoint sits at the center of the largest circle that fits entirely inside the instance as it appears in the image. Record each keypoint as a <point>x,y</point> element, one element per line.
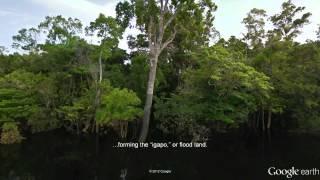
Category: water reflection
<point>123,174</point>
<point>57,155</point>
<point>12,175</point>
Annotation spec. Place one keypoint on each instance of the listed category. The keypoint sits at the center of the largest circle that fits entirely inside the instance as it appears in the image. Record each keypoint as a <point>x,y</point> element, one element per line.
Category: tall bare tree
<point>161,20</point>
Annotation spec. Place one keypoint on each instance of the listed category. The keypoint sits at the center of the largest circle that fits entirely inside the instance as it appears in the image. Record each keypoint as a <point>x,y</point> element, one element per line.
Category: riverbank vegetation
<point>177,72</point>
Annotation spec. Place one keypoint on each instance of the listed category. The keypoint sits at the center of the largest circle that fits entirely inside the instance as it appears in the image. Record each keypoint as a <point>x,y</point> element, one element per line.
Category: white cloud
<point>81,9</point>
<point>10,13</point>
<point>6,13</point>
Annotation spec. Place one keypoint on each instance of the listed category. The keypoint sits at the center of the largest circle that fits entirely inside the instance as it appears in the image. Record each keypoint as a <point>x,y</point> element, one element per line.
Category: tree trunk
<point>148,103</point>
<point>123,129</point>
<point>98,90</point>
<point>100,67</point>
<point>258,120</point>
<point>157,44</point>
<point>262,121</point>
<point>254,121</point>
<point>97,139</point>
<point>269,136</point>
<point>78,129</point>
<point>269,118</point>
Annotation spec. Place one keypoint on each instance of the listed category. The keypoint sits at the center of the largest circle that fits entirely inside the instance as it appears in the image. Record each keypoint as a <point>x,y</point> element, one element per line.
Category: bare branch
<point>161,5</point>
<point>174,15</point>
<point>169,21</point>
<point>150,32</point>
<point>165,8</point>
<point>169,40</point>
<point>160,28</point>
<point>155,37</point>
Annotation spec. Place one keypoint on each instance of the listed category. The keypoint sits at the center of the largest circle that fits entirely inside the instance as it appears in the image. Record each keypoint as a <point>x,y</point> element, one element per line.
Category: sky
<point>18,14</point>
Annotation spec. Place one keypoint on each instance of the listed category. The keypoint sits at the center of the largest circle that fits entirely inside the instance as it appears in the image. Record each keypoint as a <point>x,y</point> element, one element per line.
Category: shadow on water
<point>58,155</point>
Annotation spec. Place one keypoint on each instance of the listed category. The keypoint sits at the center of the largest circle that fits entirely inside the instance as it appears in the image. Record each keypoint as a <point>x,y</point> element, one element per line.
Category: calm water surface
<point>58,155</point>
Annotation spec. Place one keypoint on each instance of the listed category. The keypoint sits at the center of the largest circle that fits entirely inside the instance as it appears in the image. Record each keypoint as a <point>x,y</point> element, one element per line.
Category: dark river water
<point>58,155</point>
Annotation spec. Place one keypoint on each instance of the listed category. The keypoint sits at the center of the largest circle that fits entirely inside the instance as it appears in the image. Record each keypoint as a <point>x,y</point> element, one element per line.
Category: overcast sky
<point>17,14</point>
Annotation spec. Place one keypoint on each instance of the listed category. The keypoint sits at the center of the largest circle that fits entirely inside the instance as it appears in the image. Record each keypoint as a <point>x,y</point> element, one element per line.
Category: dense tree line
<point>187,86</point>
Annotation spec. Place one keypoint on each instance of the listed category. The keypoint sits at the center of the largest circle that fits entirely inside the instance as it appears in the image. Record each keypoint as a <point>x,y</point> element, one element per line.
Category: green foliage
<point>287,25</point>
<point>80,112</point>
<point>59,29</point>
<point>105,28</point>
<point>193,19</point>
<point>125,11</point>
<point>220,89</point>
<point>119,104</point>
<point>71,83</point>
<point>10,133</point>
<point>292,69</point>
<point>236,47</point>
<point>255,22</point>
<point>26,39</point>
<point>138,76</point>
<point>27,97</point>
<point>16,95</point>
<point>2,50</point>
